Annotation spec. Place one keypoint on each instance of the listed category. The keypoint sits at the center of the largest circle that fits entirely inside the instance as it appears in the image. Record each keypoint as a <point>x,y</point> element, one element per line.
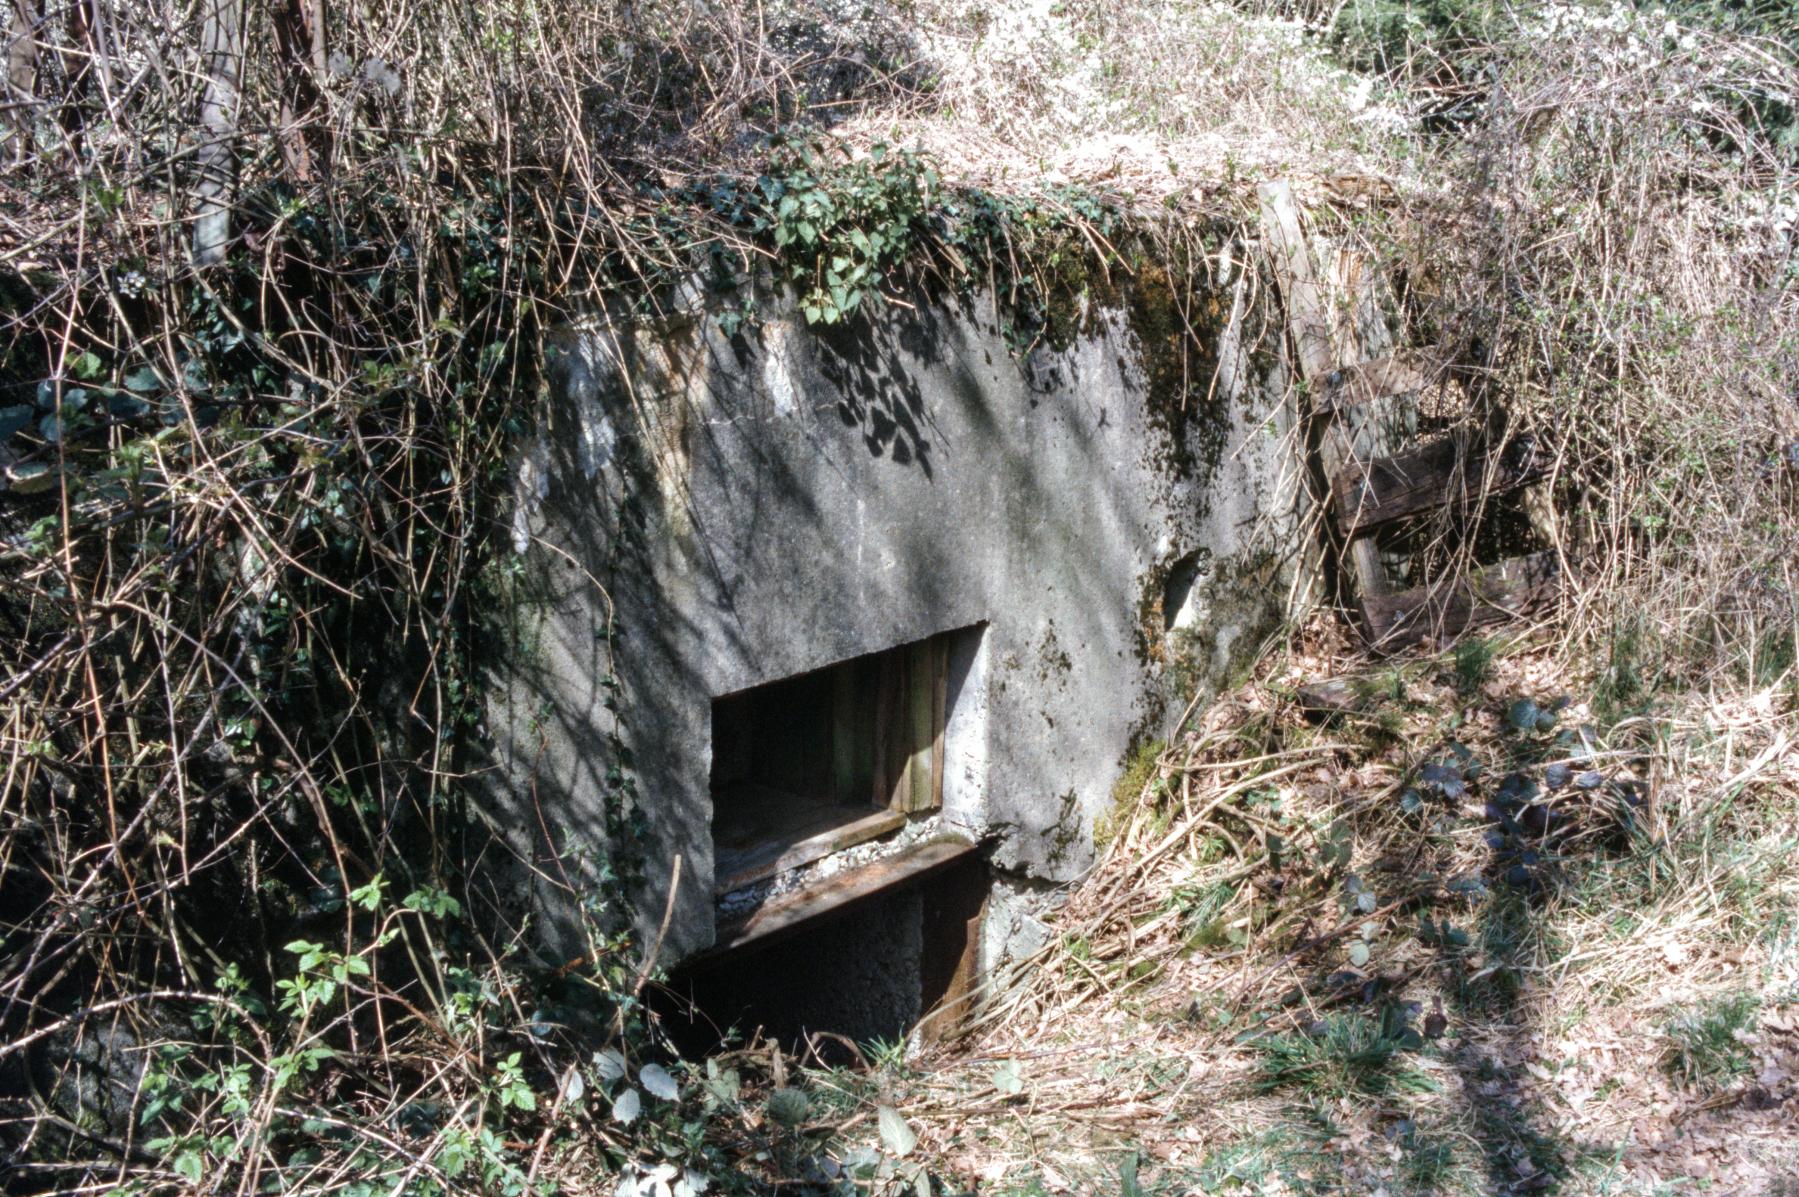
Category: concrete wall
<point>705,513</point>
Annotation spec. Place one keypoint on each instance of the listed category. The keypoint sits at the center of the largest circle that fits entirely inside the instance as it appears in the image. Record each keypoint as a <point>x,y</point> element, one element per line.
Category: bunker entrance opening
<point>896,961</point>
<point>811,765</point>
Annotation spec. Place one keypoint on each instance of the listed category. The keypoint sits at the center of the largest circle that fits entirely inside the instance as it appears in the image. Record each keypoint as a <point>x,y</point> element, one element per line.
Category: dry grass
<point>1165,106</point>
<point>1214,1002</point>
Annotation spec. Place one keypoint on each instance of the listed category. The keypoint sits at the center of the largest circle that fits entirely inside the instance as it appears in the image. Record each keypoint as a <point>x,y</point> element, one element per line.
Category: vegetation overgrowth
<point>276,281</point>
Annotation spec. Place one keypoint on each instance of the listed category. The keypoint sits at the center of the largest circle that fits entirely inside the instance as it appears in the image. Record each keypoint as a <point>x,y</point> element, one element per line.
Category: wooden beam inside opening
<point>793,911</point>
<point>1451,470</point>
<point>1449,607</point>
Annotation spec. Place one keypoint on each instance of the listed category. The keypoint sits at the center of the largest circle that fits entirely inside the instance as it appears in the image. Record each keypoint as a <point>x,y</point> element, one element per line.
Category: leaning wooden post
<point>215,160</point>
<point>1308,321</point>
<point>21,74</point>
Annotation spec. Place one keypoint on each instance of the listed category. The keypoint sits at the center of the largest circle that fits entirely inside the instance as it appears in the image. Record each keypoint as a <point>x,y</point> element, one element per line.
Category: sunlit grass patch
<point>1349,1056</point>
<point>1704,1044</point>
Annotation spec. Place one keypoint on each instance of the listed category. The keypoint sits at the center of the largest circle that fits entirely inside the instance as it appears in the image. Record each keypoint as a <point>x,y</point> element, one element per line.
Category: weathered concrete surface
<point>735,510</point>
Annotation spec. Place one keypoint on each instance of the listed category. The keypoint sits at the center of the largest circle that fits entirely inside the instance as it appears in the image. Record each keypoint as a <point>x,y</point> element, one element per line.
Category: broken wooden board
<point>1447,471</point>
<point>758,831</point>
<point>1445,609</point>
<point>793,910</point>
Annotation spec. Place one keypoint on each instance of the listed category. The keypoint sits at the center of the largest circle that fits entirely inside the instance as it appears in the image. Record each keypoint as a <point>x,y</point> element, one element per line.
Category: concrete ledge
<point>795,910</point>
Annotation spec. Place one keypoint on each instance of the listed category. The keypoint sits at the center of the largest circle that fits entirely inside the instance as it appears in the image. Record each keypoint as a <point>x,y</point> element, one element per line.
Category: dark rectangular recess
<point>813,764</point>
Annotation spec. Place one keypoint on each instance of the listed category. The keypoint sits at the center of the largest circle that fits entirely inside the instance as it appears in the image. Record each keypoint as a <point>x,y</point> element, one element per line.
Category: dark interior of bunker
<point>899,960</point>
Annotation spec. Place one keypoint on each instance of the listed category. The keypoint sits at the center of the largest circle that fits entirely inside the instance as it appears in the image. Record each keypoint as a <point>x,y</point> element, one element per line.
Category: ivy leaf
<point>610,1064</point>
<point>32,479</point>
<point>655,1078</point>
<point>626,1107</point>
<point>788,1107</point>
<point>144,380</point>
<point>1522,715</point>
<point>1445,779</point>
<point>188,1165</point>
<point>13,418</point>
<point>722,1084</point>
<point>899,1138</point>
<point>1008,1078</point>
<point>1358,954</point>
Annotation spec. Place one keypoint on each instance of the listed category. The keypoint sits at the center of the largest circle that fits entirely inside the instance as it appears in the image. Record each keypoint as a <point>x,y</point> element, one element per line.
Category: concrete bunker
<point>826,683</point>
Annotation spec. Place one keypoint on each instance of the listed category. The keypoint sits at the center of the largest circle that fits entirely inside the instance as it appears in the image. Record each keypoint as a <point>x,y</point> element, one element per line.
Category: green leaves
<point>320,973</point>
<point>511,1088</point>
<point>839,225</point>
<point>789,1107</point>
<point>1526,716</point>
<point>655,1079</point>
<point>896,1136</point>
<point>433,901</point>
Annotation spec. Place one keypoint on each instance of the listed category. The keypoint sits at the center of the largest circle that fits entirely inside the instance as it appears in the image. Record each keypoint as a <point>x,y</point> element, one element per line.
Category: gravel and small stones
<point>747,898</point>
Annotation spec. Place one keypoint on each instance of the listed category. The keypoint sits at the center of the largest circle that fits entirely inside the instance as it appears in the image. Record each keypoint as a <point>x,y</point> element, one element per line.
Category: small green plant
<point>1348,1056</point>
<point>1474,659</point>
<point>839,226</point>
<point>1704,1040</point>
<point>886,1055</point>
<point>1202,908</point>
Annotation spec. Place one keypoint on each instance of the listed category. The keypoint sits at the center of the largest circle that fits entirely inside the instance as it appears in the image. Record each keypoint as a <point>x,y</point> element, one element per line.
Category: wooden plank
<point>1307,317</point>
<point>1446,609</point>
<point>769,832</point>
<point>1448,470</point>
<point>852,735</point>
<point>915,792</point>
<point>949,960</point>
<point>1308,322</point>
<point>796,909</point>
<point>889,713</point>
<point>939,715</point>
